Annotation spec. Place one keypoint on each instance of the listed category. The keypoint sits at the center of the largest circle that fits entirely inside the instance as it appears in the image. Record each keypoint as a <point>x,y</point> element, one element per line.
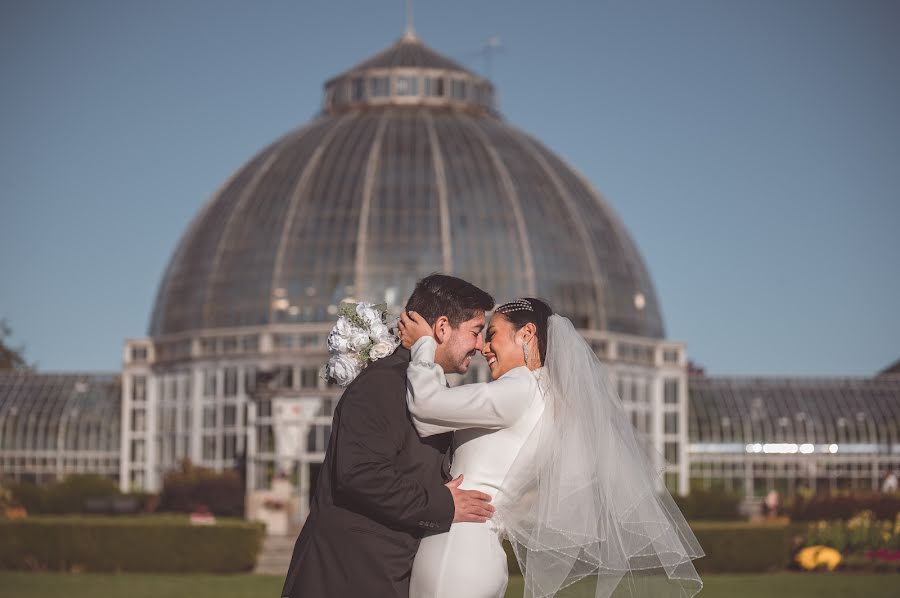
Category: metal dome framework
<point>53,425</point>
<point>755,434</point>
<point>390,186</point>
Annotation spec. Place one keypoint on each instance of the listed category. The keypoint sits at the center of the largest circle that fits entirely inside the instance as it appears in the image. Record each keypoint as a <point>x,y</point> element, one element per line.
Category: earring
<point>525,351</point>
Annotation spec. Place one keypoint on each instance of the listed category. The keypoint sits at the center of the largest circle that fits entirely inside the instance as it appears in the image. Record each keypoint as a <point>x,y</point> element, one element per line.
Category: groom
<point>381,487</point>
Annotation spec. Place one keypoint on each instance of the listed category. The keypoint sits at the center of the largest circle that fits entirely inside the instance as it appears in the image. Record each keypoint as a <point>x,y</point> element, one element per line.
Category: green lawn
<point>781,585</point>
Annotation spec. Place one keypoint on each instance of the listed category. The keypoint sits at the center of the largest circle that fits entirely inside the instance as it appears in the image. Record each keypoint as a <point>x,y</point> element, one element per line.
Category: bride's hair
<point>529,310</point>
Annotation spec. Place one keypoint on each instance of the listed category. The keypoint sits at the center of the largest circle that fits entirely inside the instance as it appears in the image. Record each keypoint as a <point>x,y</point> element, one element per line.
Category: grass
<point>779,585</point>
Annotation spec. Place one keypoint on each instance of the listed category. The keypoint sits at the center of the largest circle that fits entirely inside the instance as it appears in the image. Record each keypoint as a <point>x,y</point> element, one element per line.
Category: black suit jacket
<point>379,491</point>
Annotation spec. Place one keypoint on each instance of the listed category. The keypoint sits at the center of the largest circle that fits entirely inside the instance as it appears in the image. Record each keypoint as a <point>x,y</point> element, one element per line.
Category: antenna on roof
<point>410,33</point>
<point>490,47</point>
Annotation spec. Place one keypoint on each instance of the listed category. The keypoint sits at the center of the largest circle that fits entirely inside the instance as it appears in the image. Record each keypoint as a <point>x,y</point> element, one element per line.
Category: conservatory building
<point>751,435</point>
<point>55,425</point>
<point>408,170</point>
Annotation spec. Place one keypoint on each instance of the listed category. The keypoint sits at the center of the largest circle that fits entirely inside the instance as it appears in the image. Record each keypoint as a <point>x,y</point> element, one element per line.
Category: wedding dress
<point>492,422</point>
<point>577,489</point>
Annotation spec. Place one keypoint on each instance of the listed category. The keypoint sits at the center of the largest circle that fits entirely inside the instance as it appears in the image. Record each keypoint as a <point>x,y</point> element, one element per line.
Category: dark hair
<point>441,295</point>
<point>538,315</point>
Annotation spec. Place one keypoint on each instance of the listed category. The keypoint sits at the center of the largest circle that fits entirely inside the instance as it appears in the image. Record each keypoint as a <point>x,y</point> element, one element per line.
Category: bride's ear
<point>527,332</point>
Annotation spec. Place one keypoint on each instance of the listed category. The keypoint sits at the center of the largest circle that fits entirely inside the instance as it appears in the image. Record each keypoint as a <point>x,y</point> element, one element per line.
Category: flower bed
<point>864,542</point>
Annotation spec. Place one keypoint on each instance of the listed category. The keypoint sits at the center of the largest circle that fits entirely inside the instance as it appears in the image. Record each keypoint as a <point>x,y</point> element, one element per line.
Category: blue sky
<point>752,148</point>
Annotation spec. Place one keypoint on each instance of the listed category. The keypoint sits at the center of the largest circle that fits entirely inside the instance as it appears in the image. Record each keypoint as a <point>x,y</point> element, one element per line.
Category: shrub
<point>709,505</point>
<point>141,544</point>
<point>829,507</point>
<point>190,487</point>
<point>29,496</point>
<point>71,495</point>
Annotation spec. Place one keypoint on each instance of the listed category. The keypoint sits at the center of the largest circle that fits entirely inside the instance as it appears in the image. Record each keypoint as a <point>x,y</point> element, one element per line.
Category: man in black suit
<point>381,487</point>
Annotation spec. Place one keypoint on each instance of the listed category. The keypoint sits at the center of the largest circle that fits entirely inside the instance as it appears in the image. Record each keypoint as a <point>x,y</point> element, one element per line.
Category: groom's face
<point>460,344</point>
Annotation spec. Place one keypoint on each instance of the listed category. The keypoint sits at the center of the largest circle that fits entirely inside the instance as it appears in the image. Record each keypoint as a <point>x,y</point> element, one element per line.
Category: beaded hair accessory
<point>515,305</point>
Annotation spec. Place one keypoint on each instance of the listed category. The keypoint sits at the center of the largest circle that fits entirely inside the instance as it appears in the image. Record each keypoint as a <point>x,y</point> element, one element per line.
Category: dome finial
<point>409,35</point>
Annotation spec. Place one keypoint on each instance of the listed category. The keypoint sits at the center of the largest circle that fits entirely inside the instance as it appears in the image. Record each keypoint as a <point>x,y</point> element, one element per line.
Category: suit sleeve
<point>436,408</point>
<point>369,438</point>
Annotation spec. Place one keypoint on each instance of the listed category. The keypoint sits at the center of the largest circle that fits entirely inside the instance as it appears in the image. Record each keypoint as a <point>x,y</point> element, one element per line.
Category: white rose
<point>391,338</point>
<point>377,330</point>
<point>368,313</point>
<point>358,340</point>
<point>343,369</point>
<point>343,327</point>
<point>337,343</point>
<point>382,348</point>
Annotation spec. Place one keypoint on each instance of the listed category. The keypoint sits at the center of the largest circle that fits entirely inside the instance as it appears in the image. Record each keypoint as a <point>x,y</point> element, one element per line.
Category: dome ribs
<point>368,189</point>
<point>207,318</point>
<point>441,183</point>
<point>578,219</point>
<point>512,198</point>
<point>298,193</point>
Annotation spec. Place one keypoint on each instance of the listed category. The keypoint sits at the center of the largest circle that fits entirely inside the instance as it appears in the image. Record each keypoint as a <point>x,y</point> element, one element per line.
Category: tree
<point>11,358</point>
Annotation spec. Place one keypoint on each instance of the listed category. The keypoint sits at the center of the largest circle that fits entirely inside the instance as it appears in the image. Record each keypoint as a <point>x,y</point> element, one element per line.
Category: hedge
<point>745,547</point>
<point>151,544</point>
<point>70,496</point>
<point>709,505</point>
<point>731,547</point>
<point>884,506</point>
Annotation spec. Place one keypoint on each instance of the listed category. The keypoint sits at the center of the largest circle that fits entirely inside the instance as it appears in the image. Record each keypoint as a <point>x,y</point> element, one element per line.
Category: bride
<point>575,489</point>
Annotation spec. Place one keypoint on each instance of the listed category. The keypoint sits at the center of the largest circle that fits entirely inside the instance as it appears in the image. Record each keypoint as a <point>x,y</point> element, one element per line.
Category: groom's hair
<point>441,295</point>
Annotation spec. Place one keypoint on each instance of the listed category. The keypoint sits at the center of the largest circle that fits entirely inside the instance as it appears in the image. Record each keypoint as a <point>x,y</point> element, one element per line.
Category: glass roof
<point>59,411</point>
<point>777,411</point>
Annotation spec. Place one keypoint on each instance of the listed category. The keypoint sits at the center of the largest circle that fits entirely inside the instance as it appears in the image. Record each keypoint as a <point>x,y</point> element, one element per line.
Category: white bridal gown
<point>492,421</point>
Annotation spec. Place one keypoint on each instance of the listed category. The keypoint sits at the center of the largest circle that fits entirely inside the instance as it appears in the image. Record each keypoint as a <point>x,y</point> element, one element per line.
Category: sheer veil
<point>583,502</point>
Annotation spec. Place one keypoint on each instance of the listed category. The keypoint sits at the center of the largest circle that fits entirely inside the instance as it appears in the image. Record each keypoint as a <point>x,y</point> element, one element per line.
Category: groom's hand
<point>471,505</point>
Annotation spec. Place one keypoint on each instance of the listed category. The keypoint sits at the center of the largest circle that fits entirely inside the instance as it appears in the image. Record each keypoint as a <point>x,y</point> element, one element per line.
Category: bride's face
<point>502,350</point>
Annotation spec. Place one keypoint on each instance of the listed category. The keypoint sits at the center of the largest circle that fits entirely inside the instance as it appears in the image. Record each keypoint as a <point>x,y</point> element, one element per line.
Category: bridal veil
<point>583,504</point>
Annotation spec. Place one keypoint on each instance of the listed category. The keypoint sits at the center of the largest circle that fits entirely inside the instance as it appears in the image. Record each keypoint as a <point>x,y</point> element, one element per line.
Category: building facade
<point>408,170</point>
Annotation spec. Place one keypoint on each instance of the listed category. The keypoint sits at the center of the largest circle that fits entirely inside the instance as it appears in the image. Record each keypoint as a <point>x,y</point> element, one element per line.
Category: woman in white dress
<point>576,490</point>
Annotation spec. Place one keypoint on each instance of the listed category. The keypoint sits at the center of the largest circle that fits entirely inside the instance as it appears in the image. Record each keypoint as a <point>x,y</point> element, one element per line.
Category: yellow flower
<point>813,557</point>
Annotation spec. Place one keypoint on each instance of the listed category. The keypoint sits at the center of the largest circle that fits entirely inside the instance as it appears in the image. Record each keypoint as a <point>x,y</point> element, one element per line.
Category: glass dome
<point>408,170</point>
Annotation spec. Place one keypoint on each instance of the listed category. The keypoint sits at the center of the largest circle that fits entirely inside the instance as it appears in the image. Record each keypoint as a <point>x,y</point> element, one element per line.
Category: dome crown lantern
<point>409,73</point>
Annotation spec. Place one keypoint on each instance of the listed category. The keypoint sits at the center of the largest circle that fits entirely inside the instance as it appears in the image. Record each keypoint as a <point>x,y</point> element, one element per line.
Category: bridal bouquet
<point>362,334</point>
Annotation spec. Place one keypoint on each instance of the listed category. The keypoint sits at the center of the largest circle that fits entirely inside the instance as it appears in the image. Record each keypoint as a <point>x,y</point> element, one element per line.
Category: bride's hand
<point>412,328</point>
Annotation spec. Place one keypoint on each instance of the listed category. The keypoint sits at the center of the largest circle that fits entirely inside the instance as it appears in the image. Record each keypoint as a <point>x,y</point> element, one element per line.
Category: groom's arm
<point>369,437</point>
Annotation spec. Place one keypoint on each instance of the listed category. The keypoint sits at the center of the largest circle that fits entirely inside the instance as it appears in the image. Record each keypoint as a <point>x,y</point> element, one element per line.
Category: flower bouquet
<point>364,333</point>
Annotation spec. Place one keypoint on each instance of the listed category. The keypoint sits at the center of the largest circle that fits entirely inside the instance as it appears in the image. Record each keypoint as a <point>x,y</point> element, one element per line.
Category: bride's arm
<point>437,409</point>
